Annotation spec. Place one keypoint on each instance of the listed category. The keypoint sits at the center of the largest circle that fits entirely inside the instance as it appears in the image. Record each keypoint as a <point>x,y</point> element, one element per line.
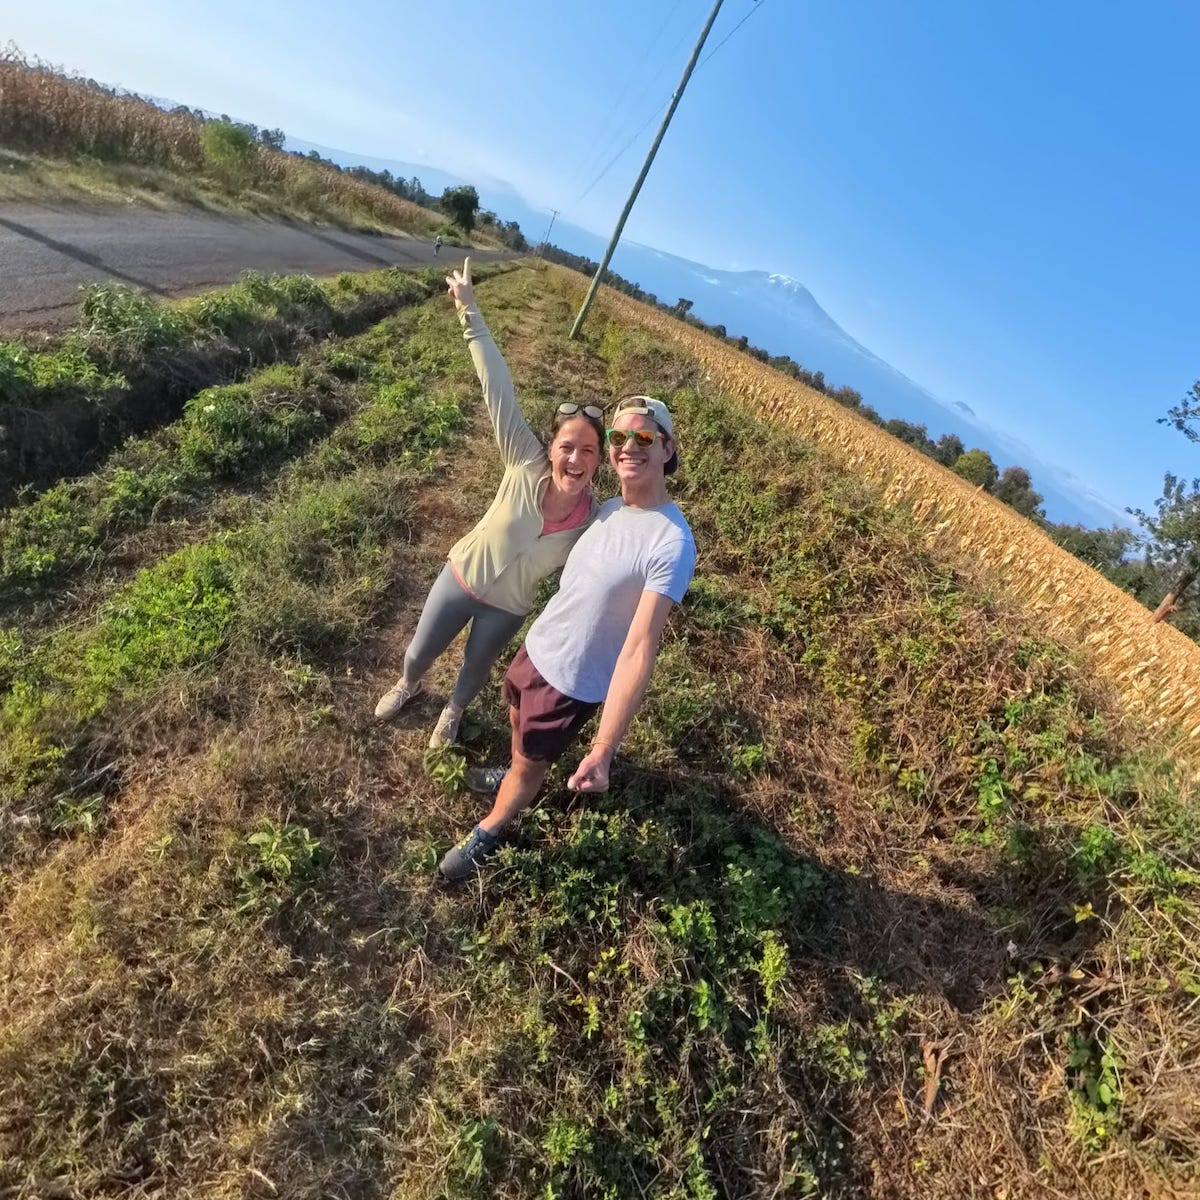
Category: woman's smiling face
<point>574,455</point>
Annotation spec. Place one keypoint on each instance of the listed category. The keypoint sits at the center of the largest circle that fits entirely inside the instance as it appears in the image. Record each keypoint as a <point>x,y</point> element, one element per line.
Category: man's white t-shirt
<point>576,641</point>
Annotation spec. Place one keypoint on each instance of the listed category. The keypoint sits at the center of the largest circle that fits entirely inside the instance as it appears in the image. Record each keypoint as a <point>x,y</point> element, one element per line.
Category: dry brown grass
<point>1154,668</point>
<point>45,112</point>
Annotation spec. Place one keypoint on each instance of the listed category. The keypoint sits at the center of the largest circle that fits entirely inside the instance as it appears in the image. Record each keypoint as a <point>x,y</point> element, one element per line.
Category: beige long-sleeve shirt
<point>506,556</point>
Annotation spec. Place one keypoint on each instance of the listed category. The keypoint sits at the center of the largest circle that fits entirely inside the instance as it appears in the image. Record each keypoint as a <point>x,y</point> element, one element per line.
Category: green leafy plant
<point>1096,1097</point>
<point>283,858</point>
<point>124,321</point>
<point>772,967</point>
<point>565,1140</point>
<point>26,374</point>
<point>475,1150</point>
<point>447,767</point>
<point>83,814</point>
<point>750,760</point>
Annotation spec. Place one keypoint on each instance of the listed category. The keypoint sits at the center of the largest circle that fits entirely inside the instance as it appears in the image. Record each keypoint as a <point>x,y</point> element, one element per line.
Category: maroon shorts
<point>547,721</point>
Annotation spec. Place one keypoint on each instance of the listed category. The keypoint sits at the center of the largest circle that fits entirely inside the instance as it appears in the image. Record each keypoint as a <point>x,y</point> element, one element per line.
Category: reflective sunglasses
<point>644,438</point>
<point>569,408</point>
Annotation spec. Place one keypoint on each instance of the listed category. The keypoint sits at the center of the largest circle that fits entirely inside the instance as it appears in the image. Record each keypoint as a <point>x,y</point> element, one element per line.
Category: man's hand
<point>592,773</point>
<point>459,285</point>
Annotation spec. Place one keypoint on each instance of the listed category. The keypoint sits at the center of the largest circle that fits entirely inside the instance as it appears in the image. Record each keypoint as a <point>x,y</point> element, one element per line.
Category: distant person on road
<point>542,506</point>
<point>437,244</point>
<point>597,640</point>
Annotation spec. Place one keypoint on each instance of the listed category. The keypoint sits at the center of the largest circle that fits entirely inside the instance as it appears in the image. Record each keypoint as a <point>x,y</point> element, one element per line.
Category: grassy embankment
<point>132,363</point>
<point>61,138</point>
<point>887,898</point>
<point>1154,668</point>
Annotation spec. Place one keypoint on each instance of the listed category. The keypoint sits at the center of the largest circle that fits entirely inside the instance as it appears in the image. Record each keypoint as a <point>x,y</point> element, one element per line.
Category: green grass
<point>123,328</point>
<point>230,432</point>
<point>869,825</point>
<point>26,374</point>
<point>302,574</point>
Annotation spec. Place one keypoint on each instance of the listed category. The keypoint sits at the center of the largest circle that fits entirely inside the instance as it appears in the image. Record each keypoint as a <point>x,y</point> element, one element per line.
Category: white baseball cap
<point>657,411</point>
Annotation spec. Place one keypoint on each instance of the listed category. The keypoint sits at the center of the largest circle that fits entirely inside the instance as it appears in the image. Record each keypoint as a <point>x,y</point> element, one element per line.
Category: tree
<point>1103,549</point>
<point>1185,413</point>
<point>976,467</point>
<point>272,137</point>
<point>513,237</point>
<point>229,150</point>
<point>1015,488</point>
<point>916,436</point>
<point>1174,537</point>
<point>682,307</point>
<point>461,204</point>
<point>1173,531</point>
<point>949,449</point>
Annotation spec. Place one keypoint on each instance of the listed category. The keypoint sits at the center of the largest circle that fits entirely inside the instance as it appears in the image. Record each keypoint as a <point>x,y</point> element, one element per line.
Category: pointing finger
<point>466,270</point>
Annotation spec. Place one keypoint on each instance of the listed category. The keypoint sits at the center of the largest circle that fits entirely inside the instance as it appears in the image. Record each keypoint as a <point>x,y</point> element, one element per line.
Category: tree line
<point>460,204</point>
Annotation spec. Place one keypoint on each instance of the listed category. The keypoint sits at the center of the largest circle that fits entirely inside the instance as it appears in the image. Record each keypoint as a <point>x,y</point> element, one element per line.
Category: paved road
<point>46,252</point>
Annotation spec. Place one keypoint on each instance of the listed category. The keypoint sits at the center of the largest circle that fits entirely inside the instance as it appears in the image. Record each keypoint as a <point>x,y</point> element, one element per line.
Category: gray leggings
<point>448,608</point>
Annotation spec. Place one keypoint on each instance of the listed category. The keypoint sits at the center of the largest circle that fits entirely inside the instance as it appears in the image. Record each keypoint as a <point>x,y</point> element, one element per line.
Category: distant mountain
<point>779,314</point>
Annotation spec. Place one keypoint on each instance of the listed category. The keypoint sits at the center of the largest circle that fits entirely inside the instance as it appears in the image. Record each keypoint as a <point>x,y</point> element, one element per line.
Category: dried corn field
<point>45,112</point>
<point>1153,668</point>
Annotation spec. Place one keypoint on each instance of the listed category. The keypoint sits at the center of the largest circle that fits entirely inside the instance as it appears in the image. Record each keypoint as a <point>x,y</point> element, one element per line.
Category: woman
<point>492,575</point>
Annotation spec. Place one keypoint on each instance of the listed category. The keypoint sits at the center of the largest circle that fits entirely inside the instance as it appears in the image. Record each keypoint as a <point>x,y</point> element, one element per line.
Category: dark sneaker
<point>485,781</point>
<point>463,861</point>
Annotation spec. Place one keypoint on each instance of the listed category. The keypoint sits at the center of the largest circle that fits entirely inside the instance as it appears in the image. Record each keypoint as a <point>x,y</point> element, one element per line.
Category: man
<point>597,639</point>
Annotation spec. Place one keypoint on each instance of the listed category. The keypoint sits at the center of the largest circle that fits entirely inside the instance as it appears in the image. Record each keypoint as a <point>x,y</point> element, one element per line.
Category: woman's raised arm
<point>518,443</point>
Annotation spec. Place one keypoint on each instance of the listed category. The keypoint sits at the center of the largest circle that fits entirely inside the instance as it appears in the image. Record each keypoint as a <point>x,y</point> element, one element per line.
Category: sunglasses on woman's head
<point>644,438</point>
<point>569,409</point>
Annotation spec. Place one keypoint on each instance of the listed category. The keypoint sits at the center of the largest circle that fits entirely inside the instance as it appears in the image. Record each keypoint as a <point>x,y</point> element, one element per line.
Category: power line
<point>757,5</point>
<point>646,124</point>
<point>611,129</point>
<point>619,154</point>
<point>637,186</point>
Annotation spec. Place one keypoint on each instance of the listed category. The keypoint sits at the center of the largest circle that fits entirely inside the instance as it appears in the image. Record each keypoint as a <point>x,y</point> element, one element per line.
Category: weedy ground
<point>885,900</point>
<point>131,362</point>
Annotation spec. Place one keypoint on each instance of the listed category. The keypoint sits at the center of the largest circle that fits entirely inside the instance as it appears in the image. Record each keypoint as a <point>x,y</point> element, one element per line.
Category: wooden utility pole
<point>637,187</point>
<point>546,237</point>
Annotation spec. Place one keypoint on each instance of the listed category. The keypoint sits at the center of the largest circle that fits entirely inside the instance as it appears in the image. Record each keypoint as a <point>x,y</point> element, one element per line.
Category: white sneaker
<point>446,729</point>
<point>392,701</point>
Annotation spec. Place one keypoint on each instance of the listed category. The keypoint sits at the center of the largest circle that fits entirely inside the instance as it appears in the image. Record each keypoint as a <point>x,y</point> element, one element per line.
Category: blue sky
<point>998,200</point>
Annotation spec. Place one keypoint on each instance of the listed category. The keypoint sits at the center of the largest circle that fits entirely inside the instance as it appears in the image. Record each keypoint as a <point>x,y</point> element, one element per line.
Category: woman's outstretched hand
<point>459,285</point>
